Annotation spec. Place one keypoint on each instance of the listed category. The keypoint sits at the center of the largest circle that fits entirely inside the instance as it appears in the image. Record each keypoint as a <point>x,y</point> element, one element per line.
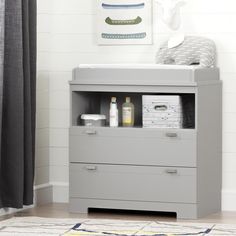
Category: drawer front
<point>138,146</point>
<point>139,183</point>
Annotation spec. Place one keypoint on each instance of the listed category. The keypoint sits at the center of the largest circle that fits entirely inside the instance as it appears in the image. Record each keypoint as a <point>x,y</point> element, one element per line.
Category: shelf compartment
<point>99,103</point>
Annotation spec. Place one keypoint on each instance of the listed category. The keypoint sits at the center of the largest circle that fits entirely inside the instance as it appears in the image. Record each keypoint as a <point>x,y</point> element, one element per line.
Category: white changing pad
<point>143,74</point>
<point>135,66</point>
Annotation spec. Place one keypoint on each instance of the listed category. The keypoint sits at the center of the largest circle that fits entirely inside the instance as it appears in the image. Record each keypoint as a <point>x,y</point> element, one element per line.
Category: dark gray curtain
<point>2,27</point>
<point>18,104</point>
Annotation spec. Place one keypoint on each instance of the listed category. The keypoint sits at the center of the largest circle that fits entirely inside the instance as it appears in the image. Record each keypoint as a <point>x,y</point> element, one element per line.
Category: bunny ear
<point>160,1</point>
<point>180,3</point>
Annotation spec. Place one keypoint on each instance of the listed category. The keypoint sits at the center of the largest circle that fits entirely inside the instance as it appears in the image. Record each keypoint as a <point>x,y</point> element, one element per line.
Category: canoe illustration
<point>135,21</point>
<point>123,6</point>
<point>124,36</point>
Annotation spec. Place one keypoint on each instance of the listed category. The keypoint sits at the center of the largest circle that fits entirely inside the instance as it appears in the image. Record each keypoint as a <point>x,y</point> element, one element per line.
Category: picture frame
<point>124,22</point>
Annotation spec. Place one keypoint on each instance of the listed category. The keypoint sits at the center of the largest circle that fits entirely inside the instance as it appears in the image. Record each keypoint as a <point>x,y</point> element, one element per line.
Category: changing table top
<point>143,74</point>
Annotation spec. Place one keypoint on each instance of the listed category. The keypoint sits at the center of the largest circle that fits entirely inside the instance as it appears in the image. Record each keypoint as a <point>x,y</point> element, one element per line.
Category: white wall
<point>67,38</point>
<point>43,188</point>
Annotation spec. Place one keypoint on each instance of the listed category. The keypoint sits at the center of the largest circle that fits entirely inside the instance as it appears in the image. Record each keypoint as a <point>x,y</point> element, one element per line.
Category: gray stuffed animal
<point>193,51</point>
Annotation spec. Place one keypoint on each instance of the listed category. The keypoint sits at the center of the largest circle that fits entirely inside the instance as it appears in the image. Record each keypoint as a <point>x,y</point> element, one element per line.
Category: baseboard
<point>8,211</point>
<point>228,200</point>
<point>43,194</point>
<point>52,192</point>
<point>60,192</point>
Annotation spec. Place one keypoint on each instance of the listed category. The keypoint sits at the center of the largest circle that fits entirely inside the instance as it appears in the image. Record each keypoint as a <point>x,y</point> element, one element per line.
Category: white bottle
<point>114,120</point>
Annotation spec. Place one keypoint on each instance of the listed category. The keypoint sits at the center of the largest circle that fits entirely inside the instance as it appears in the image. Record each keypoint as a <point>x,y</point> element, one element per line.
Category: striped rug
<point>32,226</point>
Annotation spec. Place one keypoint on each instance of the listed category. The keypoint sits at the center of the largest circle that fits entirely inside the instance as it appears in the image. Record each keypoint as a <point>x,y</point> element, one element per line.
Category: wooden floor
<point>61,211</point>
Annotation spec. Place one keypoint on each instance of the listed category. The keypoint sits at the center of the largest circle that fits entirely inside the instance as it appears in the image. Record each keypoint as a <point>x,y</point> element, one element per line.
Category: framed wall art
<point>124,22</point>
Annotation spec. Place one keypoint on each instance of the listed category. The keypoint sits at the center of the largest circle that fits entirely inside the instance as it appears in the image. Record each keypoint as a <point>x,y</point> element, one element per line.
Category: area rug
<point>32,226</point>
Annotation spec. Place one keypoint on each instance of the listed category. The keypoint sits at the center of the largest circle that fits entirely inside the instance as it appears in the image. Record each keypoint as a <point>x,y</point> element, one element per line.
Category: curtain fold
<point>18,109</point>
<point>2,31</point>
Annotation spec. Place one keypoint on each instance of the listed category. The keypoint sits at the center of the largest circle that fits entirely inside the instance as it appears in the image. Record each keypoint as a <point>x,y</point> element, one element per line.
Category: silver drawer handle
<point>92,168</point>
<point>172,135</point>
<point>91,132</point>
<point>172,171</point>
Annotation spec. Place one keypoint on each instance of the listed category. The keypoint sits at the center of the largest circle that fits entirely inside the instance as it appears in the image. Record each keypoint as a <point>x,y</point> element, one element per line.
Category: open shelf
<point>99,103</point>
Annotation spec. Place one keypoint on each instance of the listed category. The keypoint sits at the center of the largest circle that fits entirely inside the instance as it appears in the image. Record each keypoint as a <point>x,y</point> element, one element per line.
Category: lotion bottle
<point>114,118</point>
<point>128,113</point>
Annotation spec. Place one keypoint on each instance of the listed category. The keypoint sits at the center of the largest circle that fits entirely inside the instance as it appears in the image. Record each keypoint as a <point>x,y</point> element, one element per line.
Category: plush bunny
<point>193,51</point>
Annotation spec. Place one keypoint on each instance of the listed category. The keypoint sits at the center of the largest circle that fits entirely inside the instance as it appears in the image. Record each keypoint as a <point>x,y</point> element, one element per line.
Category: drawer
<point>137,183</point>
<point>137,146</point>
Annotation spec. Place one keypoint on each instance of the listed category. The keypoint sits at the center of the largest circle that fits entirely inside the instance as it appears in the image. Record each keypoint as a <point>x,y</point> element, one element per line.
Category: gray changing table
<point>172,170</point>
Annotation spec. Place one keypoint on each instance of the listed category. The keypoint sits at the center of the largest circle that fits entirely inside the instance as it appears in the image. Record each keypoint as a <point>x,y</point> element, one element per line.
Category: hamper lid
<point>93,117</point>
